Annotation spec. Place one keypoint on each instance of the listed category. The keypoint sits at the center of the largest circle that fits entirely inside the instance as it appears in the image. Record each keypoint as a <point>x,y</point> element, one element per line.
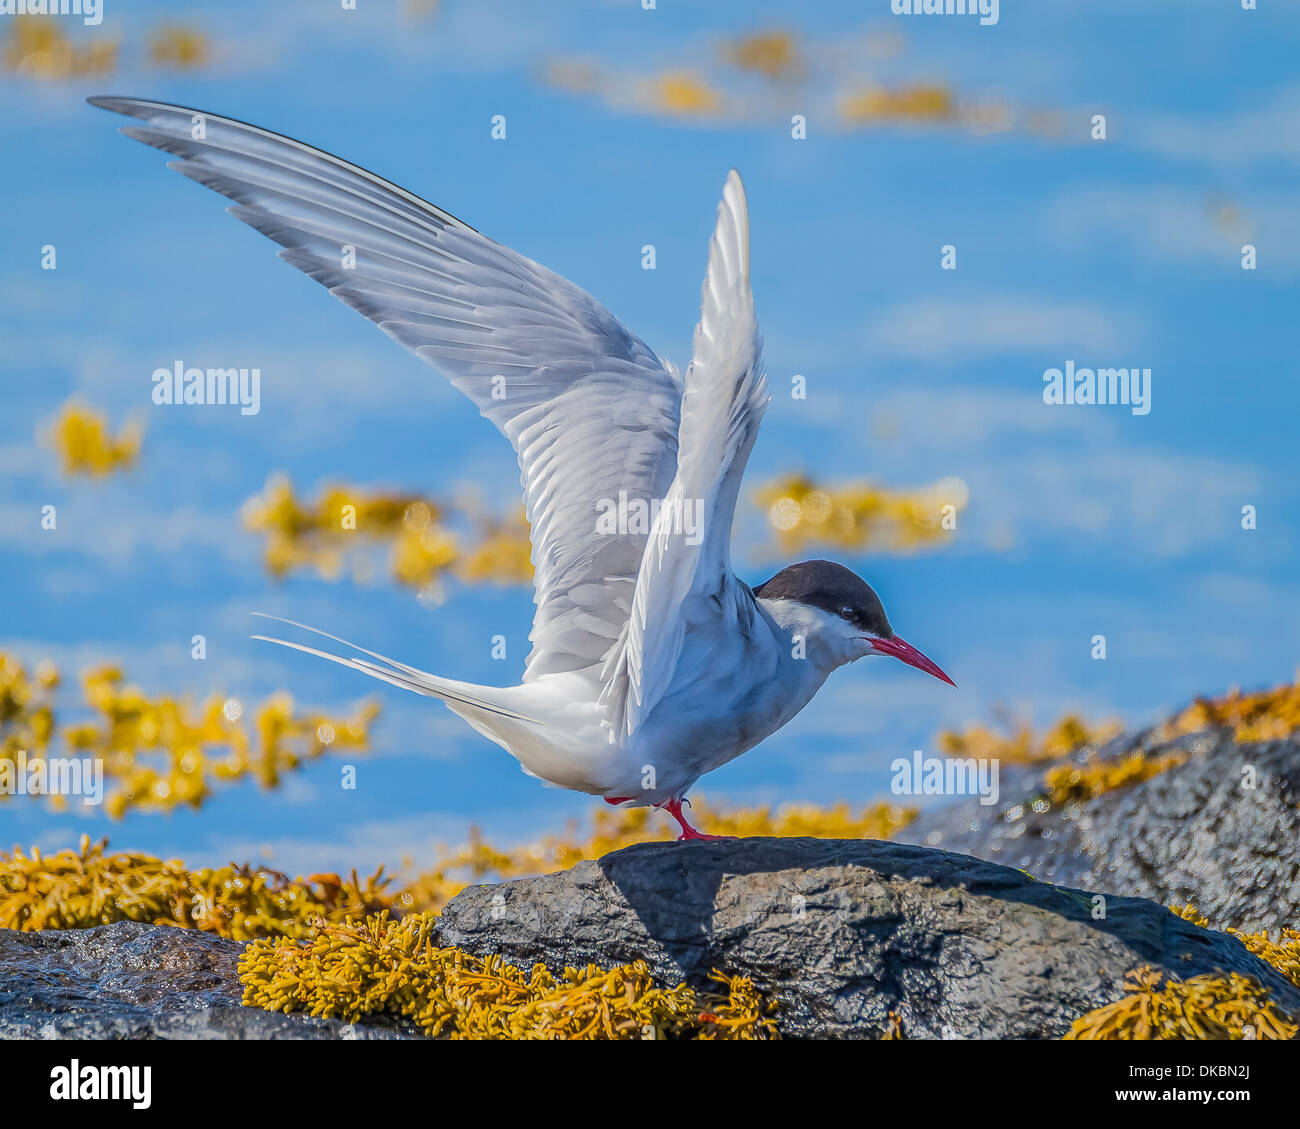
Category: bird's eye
<point>846,612</point>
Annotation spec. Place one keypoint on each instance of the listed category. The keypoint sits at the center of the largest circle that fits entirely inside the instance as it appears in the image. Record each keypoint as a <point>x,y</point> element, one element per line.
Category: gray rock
<point>843,932</point>
<point>1194,833</point>
<point>132,981</point>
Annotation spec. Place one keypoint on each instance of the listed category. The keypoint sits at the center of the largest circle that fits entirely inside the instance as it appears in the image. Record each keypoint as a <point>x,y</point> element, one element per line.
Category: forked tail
<point>473,698</point>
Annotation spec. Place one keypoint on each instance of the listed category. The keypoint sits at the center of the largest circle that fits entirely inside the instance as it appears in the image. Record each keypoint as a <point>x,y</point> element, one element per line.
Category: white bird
<point>652,663</point>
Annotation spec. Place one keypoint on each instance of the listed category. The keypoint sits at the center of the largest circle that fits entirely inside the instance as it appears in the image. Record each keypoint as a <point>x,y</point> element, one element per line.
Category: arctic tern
<point>652,663</point>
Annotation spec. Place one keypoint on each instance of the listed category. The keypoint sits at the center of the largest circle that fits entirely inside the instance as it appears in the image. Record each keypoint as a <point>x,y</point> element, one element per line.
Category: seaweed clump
<point>396,968</point>
<point>853,515</point>
<point>1262,716</point>
<point>85,445</point>
<point>427,540</point>
<point>1070,734</point>
<point>1078,783</point>
<point>86,887</point>
<point>1283,954</point>
<point>160,752</point>
<point>1201,1007</point>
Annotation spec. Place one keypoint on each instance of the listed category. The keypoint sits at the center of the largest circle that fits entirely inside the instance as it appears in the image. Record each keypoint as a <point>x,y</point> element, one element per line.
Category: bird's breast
<point>725,699</point>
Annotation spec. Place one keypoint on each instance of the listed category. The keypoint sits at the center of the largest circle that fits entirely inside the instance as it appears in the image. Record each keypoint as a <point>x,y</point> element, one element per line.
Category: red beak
<point>905,652</point>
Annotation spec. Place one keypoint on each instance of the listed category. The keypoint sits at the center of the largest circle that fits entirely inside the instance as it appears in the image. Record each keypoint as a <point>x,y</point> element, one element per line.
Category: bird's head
<point>838,616</point>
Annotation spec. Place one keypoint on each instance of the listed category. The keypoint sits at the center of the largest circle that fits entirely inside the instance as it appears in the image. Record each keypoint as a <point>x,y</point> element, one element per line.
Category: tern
<point>652,662</point>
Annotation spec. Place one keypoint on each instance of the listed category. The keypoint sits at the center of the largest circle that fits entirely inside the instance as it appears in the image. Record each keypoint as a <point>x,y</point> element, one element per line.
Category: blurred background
<point>868,142</point>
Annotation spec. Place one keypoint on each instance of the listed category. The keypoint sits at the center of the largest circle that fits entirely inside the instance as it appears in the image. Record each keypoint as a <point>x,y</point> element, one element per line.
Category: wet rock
<point>132,981</point>
<point>1221,831</point>
<point>844,932</point>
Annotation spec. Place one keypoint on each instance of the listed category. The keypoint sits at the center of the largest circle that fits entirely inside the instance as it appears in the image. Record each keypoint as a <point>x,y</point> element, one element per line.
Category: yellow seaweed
<point>162,752</point>
<point>396,968</point>
<point>1201,1007</point>
<point>87,887</point>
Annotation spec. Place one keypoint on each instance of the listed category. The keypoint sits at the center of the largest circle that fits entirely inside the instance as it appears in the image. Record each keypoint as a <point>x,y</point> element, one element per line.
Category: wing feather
<point>588,407</point>
<point>722,407</point>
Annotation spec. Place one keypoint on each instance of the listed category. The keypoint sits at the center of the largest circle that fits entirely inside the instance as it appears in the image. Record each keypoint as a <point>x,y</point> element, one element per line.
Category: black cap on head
<point>832,588</point>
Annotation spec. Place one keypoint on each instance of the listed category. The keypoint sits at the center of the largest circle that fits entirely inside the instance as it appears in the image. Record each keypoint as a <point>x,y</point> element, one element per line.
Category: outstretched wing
<point>722,406</point>
<point>589,409</point>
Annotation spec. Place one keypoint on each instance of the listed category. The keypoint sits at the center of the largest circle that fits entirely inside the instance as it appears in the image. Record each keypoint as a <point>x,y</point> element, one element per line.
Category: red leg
<point>674,808</point>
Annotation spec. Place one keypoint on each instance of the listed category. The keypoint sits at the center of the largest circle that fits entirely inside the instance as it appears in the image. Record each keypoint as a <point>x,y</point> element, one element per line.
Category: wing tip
<point>735,201</point>
<point>734,190</point>
<point>119,104</point>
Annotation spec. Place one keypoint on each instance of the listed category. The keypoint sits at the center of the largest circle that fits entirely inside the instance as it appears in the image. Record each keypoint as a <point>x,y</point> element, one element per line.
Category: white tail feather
<point>399,674</point>
<point>326,635</point>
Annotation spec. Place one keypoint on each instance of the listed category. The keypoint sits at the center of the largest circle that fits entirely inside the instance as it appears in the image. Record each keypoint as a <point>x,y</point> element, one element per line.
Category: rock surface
<point>843,932</point>
<point>132,981</point>
<point>1195,833</point>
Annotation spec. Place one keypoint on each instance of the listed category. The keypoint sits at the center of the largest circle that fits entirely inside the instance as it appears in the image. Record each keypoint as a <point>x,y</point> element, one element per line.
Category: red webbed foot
<point>674,808</point>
